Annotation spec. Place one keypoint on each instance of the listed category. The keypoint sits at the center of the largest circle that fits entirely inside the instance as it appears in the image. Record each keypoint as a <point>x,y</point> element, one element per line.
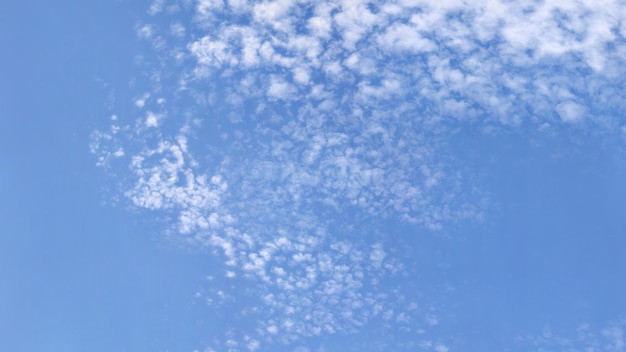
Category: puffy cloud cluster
<point>508,62</point>
<point>271,128</point>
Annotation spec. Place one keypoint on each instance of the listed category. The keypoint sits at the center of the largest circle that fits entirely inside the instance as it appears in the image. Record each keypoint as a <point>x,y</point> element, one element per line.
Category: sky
<point>338,175</point>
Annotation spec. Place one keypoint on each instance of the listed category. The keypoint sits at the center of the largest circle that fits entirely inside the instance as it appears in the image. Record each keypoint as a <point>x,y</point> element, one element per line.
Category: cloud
<point>156,7</point>
<point>294,129</point>
<point>152,119</point>
<point>571,112</point>
<point>586,338</point>
<point>615,338</point>
<point>441,348</point>
<point>140,102</point>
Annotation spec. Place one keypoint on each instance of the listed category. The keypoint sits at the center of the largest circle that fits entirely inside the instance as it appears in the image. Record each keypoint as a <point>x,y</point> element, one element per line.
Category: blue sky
<point>208,175</point>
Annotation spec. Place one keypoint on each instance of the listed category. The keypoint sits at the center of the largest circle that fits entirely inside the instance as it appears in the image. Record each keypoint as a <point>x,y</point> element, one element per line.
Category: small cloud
<point>301,75</point>
<point>156,7</point>
<point>432,320</point>
<point>570,112</point>
<point>279,271</point>
<point>145,31</point>
<point>141,102</point>
<point>280,89</point>
<point>441,348</point>
<point>377,255</point>
<point>615,337</point>
<point>119,153</point>
<point>206,7</point>
<point>152,119</point>
<point>177,30</point>
<point>320,26</point>
<point>253,345</point>
<point>270,11</point>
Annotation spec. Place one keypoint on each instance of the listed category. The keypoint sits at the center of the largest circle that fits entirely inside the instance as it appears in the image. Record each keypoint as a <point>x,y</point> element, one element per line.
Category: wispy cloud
<point>586,338</point>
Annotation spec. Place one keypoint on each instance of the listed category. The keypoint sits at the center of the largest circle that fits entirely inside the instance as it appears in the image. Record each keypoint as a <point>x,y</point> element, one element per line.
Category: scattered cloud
<point>570,112</point>
<point>586,338</point>
<point>289,124</point>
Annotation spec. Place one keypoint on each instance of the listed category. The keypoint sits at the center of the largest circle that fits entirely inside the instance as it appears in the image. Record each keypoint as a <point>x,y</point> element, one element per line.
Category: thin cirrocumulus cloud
<point>585,338</point>
<point>267,129</point>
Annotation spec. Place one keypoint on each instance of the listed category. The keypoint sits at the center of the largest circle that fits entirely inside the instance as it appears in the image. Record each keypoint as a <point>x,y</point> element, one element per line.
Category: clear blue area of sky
<point>80,274</point>
<point>76,275</point>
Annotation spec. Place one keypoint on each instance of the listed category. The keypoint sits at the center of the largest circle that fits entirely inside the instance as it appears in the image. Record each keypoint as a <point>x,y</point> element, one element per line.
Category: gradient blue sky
<point>207,175</point>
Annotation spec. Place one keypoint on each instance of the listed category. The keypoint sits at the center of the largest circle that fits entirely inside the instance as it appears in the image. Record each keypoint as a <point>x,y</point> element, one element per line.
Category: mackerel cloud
<point>268,130</point>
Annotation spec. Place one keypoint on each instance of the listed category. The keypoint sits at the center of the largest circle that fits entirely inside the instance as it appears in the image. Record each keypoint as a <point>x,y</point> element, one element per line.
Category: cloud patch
<point>272,129</point>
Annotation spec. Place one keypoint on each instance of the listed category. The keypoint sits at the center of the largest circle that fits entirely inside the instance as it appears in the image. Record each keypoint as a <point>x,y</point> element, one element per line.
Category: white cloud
<point>177,29</point>
<point>432,320</point>
<point>271,11</point>
<point>141,102</point>
<point>615,338</point>
<point>152,119</point>
<point>377,255</point>
<point>338,107</point>
<point>280,89</point>
<point>253,345</point>
<point>571,112</point>
<point>401,37</point>
<point>321,26</point>
<point>205,7</point>
<point>156,7</point>
<point>301,75</point>
<point>585,338</point>
<point>145,31</point>
<point>119,153</point>
<point>441,348</point>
